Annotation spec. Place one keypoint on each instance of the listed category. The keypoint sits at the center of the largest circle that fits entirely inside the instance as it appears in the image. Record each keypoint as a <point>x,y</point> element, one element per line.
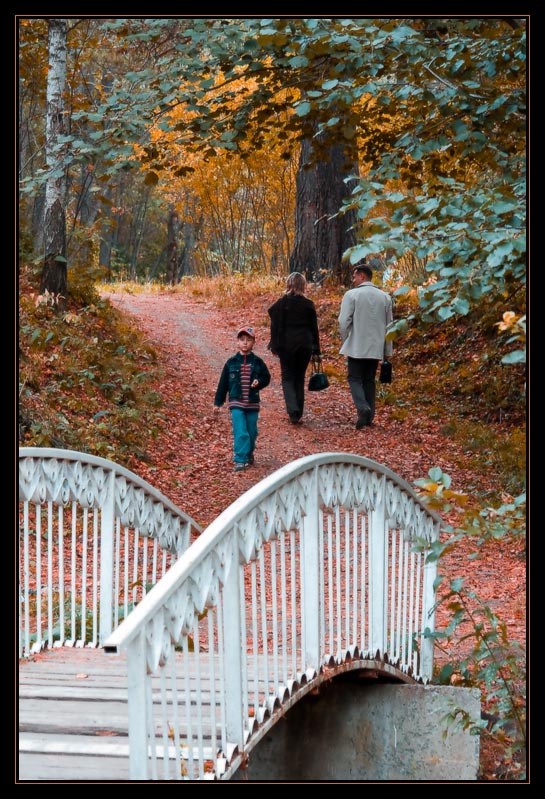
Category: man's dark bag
<point>385,372</point>
<point>318,379</point>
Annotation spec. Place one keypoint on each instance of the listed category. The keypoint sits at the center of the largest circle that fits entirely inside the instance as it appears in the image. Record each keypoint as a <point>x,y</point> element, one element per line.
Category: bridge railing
<point>321,563</point>
<point>93,538</point>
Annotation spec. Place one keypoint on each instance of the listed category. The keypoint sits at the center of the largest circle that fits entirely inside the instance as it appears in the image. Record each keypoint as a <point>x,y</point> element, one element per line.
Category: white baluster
<point>338,582</point>
<point>138,707</point>
<point>96,555</point>
<point>355,578</point>
<point>331,629</point>
<point>39,637</point>
<point>405,609</point>
<point>175,718</point>
<point>198,691</point>
<point>244,650</point>
<point>26,609</point>
<point>164,721</point>
<point>393,646</point>
<point>321,588</point>
<point>400,599</point>
<point>73,585</point>
<point>50,546</point>
<point>310,584</point>
<point>293,576</point>
<point>255,635</point>
<point>364,599</point>
<point>232,654</point>
<point>428,619</point>
<point>117,567</point>
<point>107,525</point>
<point>417,614</point>
<point>284,593</point>
<point>346,580</point>
<point>264,636</point>
<point>61,574</point>
<point>274,617</point>
<point>377,575</point>
<point>83,598</point>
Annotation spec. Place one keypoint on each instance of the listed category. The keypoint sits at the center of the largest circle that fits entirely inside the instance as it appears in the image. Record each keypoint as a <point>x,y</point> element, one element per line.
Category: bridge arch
<point>318,569</point>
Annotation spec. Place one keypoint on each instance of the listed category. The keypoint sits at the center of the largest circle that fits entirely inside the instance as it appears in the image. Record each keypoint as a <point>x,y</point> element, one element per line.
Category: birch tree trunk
<point>54,274</point>
<point>320,236</point>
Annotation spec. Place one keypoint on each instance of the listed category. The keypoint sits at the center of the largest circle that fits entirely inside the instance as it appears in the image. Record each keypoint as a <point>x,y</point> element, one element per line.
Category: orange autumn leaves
<point>237,206</point>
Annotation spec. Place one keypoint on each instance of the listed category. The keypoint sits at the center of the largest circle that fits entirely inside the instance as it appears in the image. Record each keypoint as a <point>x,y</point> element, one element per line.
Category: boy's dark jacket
<point>230,378</point>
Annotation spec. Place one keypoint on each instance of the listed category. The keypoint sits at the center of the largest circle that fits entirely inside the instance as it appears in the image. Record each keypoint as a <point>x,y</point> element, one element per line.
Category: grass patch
<point>226,291</point>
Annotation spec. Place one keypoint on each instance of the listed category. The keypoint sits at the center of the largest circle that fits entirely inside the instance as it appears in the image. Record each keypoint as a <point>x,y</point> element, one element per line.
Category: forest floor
<point>191,460</point>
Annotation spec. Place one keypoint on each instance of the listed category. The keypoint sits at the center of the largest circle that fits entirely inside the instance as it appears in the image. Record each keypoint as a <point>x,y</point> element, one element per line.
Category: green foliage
<point>434,107</point>
<point>490,660</point>
<point>516,325</point>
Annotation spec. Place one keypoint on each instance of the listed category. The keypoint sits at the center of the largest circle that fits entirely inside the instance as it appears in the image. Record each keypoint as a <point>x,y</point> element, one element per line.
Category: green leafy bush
<point>476,647</point>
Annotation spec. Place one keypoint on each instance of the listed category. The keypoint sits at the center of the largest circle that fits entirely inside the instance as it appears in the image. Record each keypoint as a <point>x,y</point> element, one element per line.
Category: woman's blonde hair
<point>296,283</point>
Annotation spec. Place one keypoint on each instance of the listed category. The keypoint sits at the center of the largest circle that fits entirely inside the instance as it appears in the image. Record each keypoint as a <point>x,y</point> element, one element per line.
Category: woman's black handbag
<point>385,371</point>
<point>318,379</point>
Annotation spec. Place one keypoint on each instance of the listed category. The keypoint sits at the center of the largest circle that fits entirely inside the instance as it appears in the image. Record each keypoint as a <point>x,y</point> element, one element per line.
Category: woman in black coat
<point>294,339</point>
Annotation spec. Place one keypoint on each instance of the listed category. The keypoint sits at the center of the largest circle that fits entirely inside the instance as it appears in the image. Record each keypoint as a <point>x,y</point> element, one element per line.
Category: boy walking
<point>243,375</point>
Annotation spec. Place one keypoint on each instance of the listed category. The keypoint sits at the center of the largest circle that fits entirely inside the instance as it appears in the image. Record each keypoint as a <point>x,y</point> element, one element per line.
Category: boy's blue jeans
<point>244,433</point>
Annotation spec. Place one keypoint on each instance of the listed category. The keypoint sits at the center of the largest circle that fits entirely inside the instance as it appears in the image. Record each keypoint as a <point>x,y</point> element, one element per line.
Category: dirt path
<point>194,457</point>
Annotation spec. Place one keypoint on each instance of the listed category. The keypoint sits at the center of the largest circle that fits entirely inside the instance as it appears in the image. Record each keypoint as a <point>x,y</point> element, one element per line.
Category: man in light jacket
<point>366,313</point>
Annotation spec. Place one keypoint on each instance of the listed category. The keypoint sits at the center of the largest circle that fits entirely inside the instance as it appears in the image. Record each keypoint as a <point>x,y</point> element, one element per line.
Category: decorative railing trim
<point>110,466</point>
<point>159,596</point>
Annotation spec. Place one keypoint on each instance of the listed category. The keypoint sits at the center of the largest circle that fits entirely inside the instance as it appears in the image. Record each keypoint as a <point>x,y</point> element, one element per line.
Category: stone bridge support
<point>357,731</point>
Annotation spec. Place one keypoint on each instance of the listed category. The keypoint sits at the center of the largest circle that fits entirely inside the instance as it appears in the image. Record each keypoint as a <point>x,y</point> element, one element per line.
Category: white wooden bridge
<point>152,650</point>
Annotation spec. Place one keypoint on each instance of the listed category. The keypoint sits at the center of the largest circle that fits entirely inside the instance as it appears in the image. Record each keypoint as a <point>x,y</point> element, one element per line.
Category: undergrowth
<point>475,643</point>
<point>453,373</point>
<point>86,376</point>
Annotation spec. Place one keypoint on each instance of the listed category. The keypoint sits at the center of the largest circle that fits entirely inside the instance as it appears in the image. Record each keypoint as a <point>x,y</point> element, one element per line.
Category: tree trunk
<point>185,261</point>
<point>156,264</point>
<point>319,240</point>
<point>37,223</point>
<point>108,225</point>
<point>172,246</point>
<point>54,274</point>
<point>138,227</point>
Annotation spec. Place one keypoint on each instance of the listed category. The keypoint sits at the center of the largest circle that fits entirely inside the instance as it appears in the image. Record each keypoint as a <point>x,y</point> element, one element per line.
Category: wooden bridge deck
<point>73,712</point>
<point>73,717</point>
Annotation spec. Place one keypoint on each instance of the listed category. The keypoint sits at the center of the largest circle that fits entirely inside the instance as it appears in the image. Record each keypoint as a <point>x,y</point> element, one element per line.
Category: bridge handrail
<point>302,501</point>
<point>88,500</point>
<point>221,525</point>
